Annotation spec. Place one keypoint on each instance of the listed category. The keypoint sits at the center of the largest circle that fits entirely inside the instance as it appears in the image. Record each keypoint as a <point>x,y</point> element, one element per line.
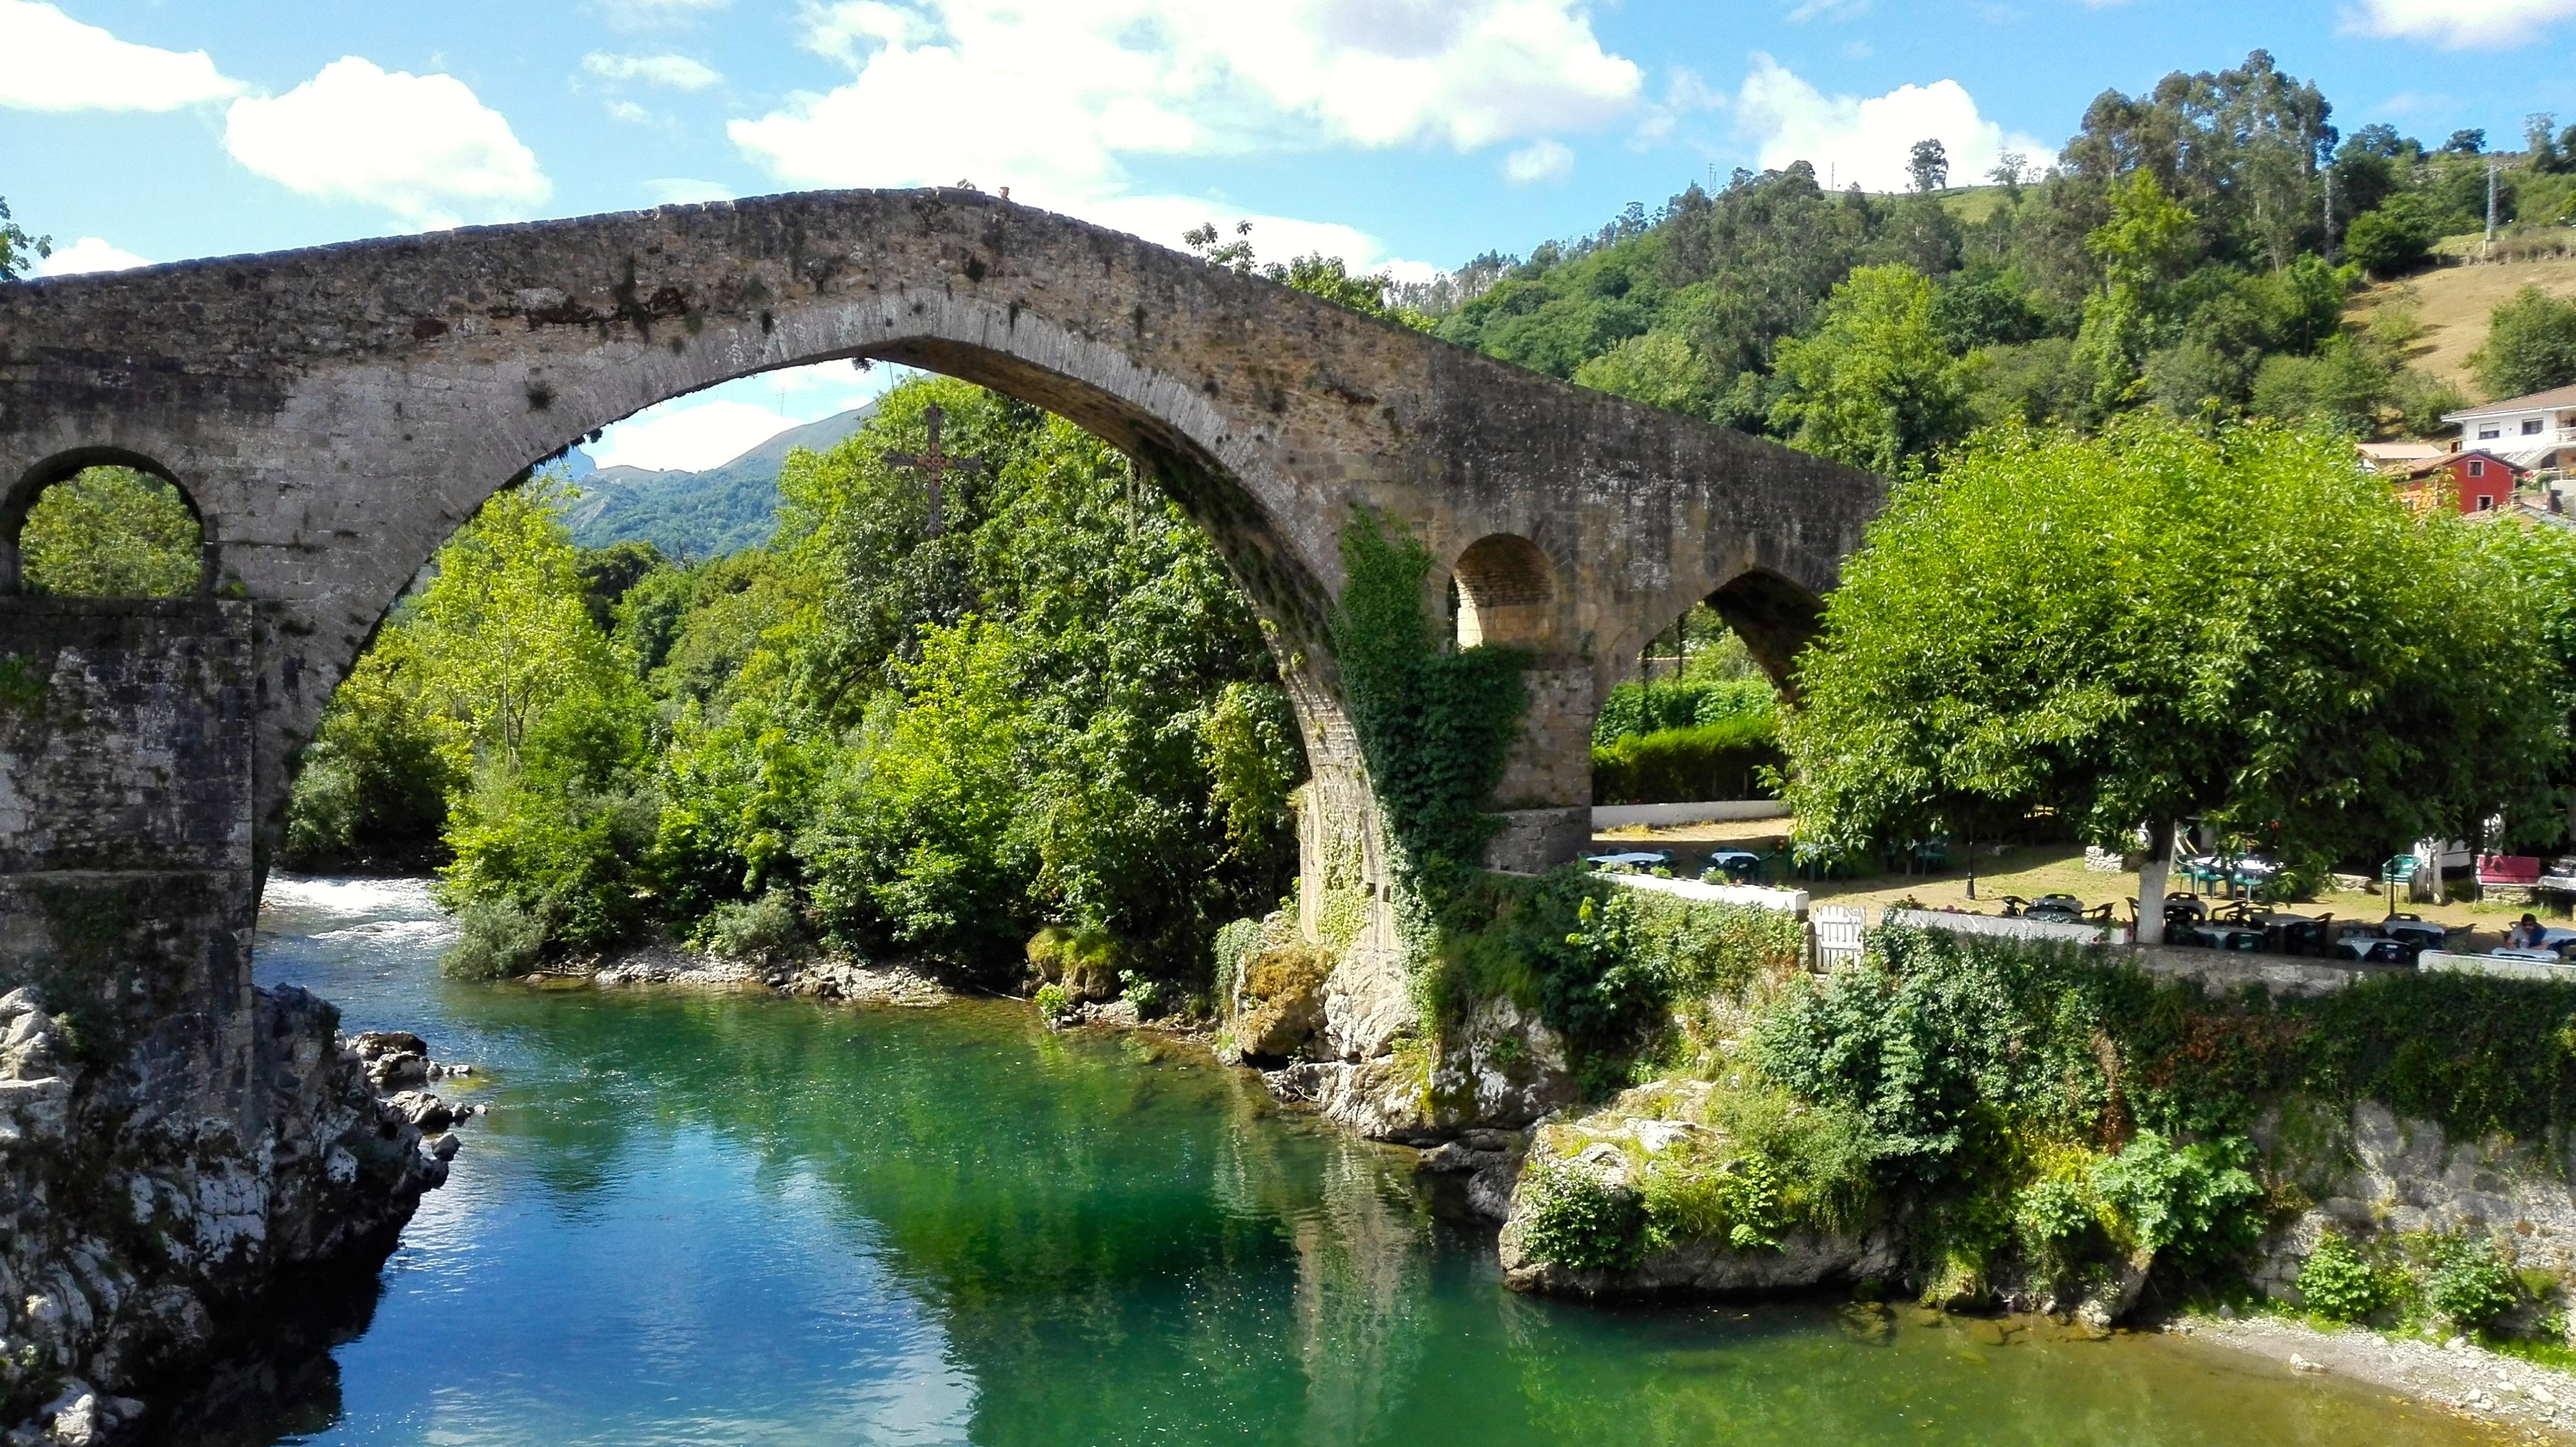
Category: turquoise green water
<point>696,1219</point>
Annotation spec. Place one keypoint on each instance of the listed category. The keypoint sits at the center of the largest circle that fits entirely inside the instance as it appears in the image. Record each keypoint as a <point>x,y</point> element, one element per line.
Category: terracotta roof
<point>2432,465</point>
<point>2554,397</point>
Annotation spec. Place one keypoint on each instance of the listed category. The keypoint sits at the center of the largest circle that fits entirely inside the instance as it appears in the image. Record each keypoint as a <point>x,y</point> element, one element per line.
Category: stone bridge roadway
<point>334,414</point>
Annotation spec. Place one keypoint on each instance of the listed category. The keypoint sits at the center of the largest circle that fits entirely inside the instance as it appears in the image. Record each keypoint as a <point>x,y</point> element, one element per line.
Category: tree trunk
<point>1972,864</point>
<point>2151,884</point>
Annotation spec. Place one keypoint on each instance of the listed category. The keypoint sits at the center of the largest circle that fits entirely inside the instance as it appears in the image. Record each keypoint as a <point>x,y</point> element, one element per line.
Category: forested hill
<point>2192,250</point>
<point>710,514</point>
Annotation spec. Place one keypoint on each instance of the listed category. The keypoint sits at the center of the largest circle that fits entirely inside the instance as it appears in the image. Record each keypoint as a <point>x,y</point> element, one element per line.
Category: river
<point>742,1219</point>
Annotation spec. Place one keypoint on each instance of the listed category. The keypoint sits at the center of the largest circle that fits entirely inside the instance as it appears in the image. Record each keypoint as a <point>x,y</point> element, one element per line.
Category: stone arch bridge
<point>334,414</point>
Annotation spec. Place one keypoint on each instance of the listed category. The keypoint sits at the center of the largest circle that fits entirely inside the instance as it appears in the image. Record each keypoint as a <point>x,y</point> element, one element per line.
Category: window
<point>2488,430</point>
<point>2477,467</point>
<point>2530,426</point>
<point>2486,502</point>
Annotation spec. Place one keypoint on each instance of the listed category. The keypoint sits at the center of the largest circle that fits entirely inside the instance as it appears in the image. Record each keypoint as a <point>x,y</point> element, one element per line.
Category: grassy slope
<point>2454,301</point>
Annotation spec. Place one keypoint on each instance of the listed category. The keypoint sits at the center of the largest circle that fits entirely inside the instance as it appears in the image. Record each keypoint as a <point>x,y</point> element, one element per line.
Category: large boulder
<point>1593,1172</point>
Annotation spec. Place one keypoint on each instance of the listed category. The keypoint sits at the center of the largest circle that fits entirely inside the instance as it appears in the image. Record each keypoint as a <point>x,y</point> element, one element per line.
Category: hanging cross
<point>933,464</point>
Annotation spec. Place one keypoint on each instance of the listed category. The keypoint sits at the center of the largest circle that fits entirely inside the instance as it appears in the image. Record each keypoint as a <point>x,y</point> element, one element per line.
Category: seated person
<point>2526,935</point>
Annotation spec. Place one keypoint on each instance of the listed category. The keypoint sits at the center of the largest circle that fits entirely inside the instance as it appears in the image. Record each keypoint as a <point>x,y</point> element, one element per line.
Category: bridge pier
<point>127,893</point>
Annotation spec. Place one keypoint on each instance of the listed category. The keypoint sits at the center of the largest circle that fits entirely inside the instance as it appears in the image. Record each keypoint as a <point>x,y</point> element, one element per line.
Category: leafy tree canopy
<point>111,532</point>
<point>2530,346</point>
<point>2159,624</point>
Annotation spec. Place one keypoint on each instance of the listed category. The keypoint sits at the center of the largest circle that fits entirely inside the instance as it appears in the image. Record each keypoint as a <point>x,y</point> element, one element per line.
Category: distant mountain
<point>724,509</point>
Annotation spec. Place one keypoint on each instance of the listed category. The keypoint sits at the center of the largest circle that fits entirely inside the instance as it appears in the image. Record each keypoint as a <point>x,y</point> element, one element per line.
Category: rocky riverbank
<point>2455,1374</point>
<point>142,1220</point>
<point>836,978</point>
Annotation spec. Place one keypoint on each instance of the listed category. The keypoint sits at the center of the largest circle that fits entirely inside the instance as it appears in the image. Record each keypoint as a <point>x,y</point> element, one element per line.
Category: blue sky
<point>1412,133</point>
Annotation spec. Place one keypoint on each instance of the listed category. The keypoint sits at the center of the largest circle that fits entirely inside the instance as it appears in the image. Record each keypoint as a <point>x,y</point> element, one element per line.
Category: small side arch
<point>1506,591</point>
<point>31,485</point>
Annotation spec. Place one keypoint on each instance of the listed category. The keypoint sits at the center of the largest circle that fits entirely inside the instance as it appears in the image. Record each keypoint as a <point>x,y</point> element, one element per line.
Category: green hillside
<point>723,510</point>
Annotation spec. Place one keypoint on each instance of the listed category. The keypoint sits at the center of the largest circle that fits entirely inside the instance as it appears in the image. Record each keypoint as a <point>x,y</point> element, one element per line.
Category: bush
<point>1678,765</point>
<point>496,939</point>
<point>2530,346</point>
<point>1578,1220</point>
<point>1141,991</point>
<point>2195,1204</point>
<point>2391,239</point>
<point>764,926</point>
<point>2468,1285</point>
<point>1236,942</point>
<point>1645,708</point>
<point>1740,1202</point>
<point>1054,1004</point>
<point>2338,1284</point>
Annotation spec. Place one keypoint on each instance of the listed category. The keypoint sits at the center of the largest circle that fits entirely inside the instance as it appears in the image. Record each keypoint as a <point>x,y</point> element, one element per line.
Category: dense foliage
<point>2159,624</point>
<point>2183,254</point>
<point>111,532</point>
<point>1055,710</point>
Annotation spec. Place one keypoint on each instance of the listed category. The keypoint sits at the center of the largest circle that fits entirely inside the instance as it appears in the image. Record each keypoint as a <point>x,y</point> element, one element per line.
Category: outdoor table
<point>2291,934</point>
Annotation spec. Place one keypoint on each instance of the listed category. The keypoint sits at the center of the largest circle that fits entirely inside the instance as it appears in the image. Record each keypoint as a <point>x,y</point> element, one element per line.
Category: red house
<point>2478,481</point>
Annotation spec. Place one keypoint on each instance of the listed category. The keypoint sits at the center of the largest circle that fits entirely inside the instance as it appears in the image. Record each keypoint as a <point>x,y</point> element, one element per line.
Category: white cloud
<point>421,146</point>
<point>678,72</point>
<point>2458,23</point>
<point>687,437</point>
<point>629,112</point>
<point>686,190</point>
<point>90,253</point>
<point>1047,99</point>
<point>1540,160</point>
<point>51,62</point>
<point>706,429</point>
<point>1050,100</point>
<point>1851,139</point>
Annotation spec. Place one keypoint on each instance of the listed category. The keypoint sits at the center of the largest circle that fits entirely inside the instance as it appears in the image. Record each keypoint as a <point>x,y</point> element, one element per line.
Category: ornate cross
<point>933,463</point>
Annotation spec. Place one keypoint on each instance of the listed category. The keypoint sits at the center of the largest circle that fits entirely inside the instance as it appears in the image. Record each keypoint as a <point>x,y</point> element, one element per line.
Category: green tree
<point>1659,369</point>
<point>2530,345</point>
<point>1873,386</point>
<point>2155,625</point>
<point>111,532</point>
<point>2392,239</point>
<point>17,247</point>
<point>544,732</point>
<point>372,788</point>
<point>2142,249</point>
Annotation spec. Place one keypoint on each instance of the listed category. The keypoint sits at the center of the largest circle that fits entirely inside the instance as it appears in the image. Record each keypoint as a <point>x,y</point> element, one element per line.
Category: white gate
<point>1837,933</point>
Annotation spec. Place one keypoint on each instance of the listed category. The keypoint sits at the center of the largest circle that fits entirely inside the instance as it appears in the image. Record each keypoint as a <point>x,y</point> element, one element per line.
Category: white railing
<point>1787,901</point>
